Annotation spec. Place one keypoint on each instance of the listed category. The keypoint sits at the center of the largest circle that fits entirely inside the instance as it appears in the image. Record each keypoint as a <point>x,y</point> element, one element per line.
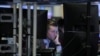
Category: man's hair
<point>61,22</point>
<point>51,23</point>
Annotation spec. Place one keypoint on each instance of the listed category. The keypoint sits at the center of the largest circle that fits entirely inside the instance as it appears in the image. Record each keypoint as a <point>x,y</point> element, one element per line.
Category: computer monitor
<point>75,29</point>
<point>42,17</point>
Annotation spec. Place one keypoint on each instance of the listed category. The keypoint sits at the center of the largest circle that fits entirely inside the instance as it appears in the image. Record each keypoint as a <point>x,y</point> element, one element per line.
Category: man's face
<point>52,32</point>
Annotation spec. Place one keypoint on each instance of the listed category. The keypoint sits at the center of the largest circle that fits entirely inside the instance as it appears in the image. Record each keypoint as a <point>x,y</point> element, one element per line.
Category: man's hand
<point>56,41</point>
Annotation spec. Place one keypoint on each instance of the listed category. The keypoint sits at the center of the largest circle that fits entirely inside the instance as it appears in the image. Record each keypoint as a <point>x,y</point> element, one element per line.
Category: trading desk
<point>45,52</point>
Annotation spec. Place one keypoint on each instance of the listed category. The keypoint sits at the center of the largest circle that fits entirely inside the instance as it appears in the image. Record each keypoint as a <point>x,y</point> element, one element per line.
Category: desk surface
<point>45,50</point>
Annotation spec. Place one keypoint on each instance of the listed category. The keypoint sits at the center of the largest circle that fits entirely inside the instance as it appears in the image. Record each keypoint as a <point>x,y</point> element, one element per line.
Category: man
<point>52,40</point>
<point>53,35</point>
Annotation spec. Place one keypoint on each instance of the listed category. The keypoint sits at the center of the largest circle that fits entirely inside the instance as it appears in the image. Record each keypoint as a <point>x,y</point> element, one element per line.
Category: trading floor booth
<point>20,28</point>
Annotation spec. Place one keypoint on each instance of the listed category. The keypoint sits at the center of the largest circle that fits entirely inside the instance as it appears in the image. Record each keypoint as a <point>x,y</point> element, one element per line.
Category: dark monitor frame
<point>75,16</point>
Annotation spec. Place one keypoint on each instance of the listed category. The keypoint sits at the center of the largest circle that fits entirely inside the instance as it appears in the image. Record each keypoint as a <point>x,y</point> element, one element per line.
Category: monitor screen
<point>75,16</point>
<point>75,22</point>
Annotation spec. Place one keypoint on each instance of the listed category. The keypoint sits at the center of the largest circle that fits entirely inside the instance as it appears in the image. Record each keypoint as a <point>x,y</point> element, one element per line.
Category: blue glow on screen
<point>99,9</point>
<point>5,6</point>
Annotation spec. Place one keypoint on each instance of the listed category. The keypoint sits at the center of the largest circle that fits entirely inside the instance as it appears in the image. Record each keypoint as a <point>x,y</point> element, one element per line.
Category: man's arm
<point>58,44</point>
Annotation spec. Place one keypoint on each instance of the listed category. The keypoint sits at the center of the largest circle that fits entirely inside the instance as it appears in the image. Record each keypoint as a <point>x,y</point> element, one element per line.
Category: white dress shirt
<point>46,42</point>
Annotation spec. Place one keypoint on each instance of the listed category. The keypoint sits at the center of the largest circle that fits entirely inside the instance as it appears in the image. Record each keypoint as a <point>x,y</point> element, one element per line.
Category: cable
<point>69,42</point>
<point>78,52</point>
